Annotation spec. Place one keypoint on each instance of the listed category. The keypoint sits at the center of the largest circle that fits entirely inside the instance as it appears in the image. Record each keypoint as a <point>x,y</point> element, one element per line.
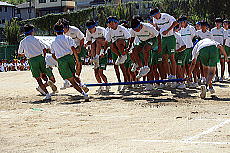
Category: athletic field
<point>134,121</point>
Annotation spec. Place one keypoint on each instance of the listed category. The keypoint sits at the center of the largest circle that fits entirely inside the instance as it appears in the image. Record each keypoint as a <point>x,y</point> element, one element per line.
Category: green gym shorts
<point>180,58</point>
<point>66,66</point>
<point>37,66</point>
<point>82,55</point>
<point>103,62</point>
<point>169,45</point>
<point>209,56</point>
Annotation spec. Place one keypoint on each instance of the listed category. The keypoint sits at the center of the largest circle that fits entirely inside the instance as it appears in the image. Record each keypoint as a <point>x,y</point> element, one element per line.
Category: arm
<point>54,57</point>
<point>175,23</point>
<point>222,51</point>
<point>181,48</point>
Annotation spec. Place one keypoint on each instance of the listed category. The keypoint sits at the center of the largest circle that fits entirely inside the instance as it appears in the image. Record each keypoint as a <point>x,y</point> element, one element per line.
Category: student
<point>78,37</point>
<point>33,49</point>
<point>62,49</point>
<point>148,36</point>
<point>218,35</point>
<point>207,50</point>
<point>227,43</point>
<point>188,33</point>
<point>198,26</point>
<point>165,24</point>
<point>204,32</point>
<point>95,37</point>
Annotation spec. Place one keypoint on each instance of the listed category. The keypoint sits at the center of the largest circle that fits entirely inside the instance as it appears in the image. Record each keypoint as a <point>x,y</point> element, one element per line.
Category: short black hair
<point>28,28</point>
<point>182,18</point>
<point>59,28</point>
<point>135,23</point>
<point>226,21</point>
<point>154,11</point>
<point>138,17</point>
<point>63,21</point>
<point>204,23</point>
<point>219,20</point>
<point>90,23</point>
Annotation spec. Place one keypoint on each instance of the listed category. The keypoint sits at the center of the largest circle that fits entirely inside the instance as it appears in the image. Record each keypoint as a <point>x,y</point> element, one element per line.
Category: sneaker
<point>211,90</point>
<point>216,79</point>
<point>47,97</point>
<point>203,92</point>
<point>161,86</point>
<point>193,85</point>
<point>181,86</point>
<point>52,85</point>
<point>107,88</point>
<point>86,97</point>
<point>85,89</point>
<point>125,87</point>
<point>65,85</point>
<point>149,87</point>
<point>123,58</point>
<point>39,89</point>
<point>134,67</point>
<point>203,80</point>
<point>221,79</point>
<point>174,85</point>
<point>143,72</point>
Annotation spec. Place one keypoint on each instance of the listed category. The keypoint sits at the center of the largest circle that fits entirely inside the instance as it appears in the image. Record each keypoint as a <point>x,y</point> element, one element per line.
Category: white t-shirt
<point>62,46</point>
<point>120,33</point>
<point>147,32</point>
<point>75,34</point>
<point>99,33</point>
<point>218,35</point>
<point>204,35</point>
<point>202,44</point>
<point>187,35</point>
<point>227,37</point>
<point>2,68</point>
<point>31,46</point>
<point>50,61</point>
<point>46,40</point>
<point>179,40</point>
<point>164,23</point>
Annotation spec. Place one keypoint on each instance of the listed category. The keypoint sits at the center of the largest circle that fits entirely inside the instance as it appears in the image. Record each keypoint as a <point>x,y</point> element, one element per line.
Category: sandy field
<point>133,121</point>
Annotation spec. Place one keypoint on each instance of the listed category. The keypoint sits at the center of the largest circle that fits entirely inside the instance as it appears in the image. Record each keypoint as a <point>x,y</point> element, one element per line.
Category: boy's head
<point>203,25</point>
<point>136,25</point>
<point>65,24</point>
<point>183,21</point>
<point>91,26</point>
<point>155,13</point>
<point>59,29</point>
<point>29,29</point>
<point>113,22</point>
<point>218,22</point>
<point>226,24</point>
<point>176,28</point>
<point>198,26</point>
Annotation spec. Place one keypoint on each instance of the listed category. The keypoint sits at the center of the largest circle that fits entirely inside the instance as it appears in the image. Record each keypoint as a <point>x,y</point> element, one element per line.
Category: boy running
<point>62,49</point>
<point>34,50</point>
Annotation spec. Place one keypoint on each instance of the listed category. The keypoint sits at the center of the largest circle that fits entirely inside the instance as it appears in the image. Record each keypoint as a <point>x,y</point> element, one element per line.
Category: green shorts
<point>128,62</point>
<point>152,42</point>
<point>227,50</point>
<point>114,56</point>
<point>82,55</point>
<point>37,66</point>
<point>209,56</point>
<point>169,45</point>
<point>66,66</point>
<point>180,58</point>
<point>103,62</point>
<point>49,72</point>
<point>188,59</point>
<point>155,57</point>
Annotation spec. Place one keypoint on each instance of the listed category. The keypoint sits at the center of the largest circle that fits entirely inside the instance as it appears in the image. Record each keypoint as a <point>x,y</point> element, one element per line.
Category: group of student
<point>14,65</point>
<point>160,48</point>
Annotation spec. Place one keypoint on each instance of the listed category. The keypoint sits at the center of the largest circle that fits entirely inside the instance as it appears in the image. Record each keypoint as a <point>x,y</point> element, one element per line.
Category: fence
<point>8,51</point>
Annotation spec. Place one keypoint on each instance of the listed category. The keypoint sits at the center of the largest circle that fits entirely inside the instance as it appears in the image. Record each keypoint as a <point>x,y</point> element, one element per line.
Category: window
<point>29,10</point>
<point>3,21</point>
<point>53,0</point>
<point>0,9</point>
<point>42,1</point>
<point>5,8</point>
<point>18,11</point>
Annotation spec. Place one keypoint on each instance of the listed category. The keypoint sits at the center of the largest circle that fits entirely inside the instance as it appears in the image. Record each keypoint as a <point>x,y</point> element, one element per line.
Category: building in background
<point>80,4</point>
<point>7,12</point>
<point>44,7</point>
<point>25,10</point>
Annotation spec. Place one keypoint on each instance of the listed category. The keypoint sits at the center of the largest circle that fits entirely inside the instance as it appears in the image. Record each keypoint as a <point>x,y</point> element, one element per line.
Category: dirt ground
<point>133,121</point>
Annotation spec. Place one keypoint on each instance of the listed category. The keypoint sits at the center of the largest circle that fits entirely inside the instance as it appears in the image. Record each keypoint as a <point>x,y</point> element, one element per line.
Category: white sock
<point>97,56</point>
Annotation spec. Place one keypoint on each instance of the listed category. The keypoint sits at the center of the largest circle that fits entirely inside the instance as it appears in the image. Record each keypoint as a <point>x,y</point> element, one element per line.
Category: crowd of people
<point>14,65</point>
<point>158,48</point>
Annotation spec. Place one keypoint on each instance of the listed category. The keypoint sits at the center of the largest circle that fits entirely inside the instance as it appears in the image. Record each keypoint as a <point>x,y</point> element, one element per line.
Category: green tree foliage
<point>15,2</point>
<point>12,32</point>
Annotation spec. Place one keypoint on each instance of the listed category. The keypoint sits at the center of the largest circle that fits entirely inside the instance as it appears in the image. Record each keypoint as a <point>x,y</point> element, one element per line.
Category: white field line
<point>208,131</point>
<point>182,141</point>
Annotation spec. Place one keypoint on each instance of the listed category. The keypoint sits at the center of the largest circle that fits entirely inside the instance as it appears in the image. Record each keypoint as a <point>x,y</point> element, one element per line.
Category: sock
<point>97,56</point>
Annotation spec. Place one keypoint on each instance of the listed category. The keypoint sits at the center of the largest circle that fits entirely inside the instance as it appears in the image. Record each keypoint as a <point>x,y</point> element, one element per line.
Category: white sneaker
<point>52,85</point>
<point>181,86</point>
<point>203,92</point>
<point>65,85</point>
<point>39,89</point>
<point>134,67</point>
<point>211,90</point>
<point>47,97</point>
<point>143,72</point>
<point>149,87</point>
<point>107,88</point>
<point>123,58</point>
